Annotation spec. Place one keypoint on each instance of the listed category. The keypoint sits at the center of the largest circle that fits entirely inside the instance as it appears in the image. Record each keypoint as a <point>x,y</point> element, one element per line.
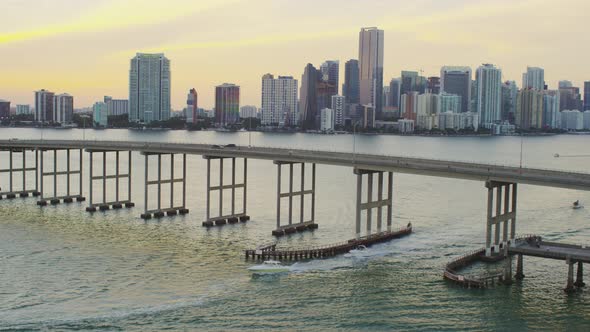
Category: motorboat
<point>269,267</point>
<point>356,253</point>
<point>577,205</point>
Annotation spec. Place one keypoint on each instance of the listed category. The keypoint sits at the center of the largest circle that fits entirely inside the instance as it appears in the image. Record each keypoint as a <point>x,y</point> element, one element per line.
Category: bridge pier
<point>302,225</point>
<point>104,204</point>
<point>25,189</point>
<point>234,216</point>
<point>69,197</point>
<point>171,210</point>
<point>379,203</point>
<point>569,287</point>
<point>580,276</point>
<point>501,216</point>
<point>507,279</point>
<point>519,268</point>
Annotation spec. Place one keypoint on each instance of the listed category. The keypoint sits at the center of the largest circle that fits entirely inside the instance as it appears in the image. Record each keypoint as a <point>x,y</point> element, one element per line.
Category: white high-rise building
<point>371,67</point>
<point>100,112</point>
<point>338,105</point>
<point>534,78</point>
<point>149,88</point>
<point>489,94</point>
<point>63,108</point>
<point>248,111</point>
<point>428,104</point>
<point>327,119</point>
<point>551,109</point>
<point>572,120</point>
<point>279,101</point>
<point>117,106</point>
<point>23,109</point>
<point>587,120</point>
<point>450,103</point>
<point>44,106</point>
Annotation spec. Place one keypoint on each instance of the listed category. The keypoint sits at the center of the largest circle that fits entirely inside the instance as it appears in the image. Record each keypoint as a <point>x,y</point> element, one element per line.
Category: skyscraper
<point>457,80</point>
<point>4,109</point>
<point>587,96</point>
<point>489,94</point>
<point>409,105</point>
<point>338,105</point>
<point>371,68</point>
<point>450,103</point>
<point>350,88</point>
<point>509,99</point>
<point>534,78</point>
<point>192,106</point>
<point>227,104</point>
<point>149,88</point>
<point>309,112</point>
<point>279,101</point>
<point>116,106</point>
<point>433,85</point>
<point>330,71</point>
<point>551,114</point>
<point>63,108</point>
<point>529,109</point>
<point>43,106</point>
<point>394,91</point>
<point>409,81</point>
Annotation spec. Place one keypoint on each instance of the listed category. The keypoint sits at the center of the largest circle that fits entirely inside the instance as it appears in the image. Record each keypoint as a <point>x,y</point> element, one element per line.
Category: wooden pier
<point>271,252</point>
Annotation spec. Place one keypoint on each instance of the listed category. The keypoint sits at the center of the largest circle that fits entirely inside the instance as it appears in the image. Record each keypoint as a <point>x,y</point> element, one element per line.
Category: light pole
<point>354,141</point>
<point>84,117</point>
<point>521,144</point>
<point>250,132</point>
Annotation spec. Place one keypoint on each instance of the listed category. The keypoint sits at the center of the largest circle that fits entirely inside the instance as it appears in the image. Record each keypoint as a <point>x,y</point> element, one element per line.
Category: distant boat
<point>359,252</point>
<point>577,205</point>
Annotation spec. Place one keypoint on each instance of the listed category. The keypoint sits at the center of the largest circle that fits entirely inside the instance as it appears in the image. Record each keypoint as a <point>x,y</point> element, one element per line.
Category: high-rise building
<point>327,119</point>
<point>338,105</point>
<point>248,111</point>
<point>192,106</point>
<point>586,120</point>
<point>394,91</point>
<point>386,96</point>
<point>509,98</point>
<point>450,103</point>
<point>587,96</point>
<point>570,98</point>
<point>23,109</point>
<point>563,84</point>
<point>330,71</point>
<point>4,109</point>
<point>43,106</point>
<point>428,104</point>
<point>308,103</point>
<point>489,94</point>
<point>350,88</point>
<point>63,108</point>
<point>368,116</point>
<point>433,85</point>
<point>371,68</point>
<point>529,109</point>
<point>551,115</point>
<point>534,78</point>
<point>116,106</point>
<point>100,112</point>
<point>409,105</point>
<point>572,120</point>
<point>227,104</point>
<point>409,81</point>
<point>457,81</point>
<point>149,88</point>
<point>279,101</point>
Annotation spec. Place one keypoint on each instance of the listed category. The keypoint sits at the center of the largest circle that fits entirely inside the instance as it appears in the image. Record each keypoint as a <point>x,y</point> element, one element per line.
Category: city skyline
<point>416,38</point>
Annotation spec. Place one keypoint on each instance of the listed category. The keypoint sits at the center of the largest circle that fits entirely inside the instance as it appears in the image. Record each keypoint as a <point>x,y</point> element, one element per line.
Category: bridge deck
<point>421,166</point>
<point>552,250</point>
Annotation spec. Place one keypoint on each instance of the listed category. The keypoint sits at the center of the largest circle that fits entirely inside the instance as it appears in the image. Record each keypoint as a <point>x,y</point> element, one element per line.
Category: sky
<point>83,47</point>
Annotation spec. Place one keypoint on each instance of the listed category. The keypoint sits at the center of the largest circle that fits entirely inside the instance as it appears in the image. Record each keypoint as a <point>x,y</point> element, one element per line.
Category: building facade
<point>192,106</point>
<point>279,101</point>
<point>457,81</point>
<point>551,117</point>
<point>43,106</point>
<point>489,94</point>
<point>63,108</point>
<point>394,91</point>
<point>350,88</point>
<point>4,109</point>
<point>308,103</point>
<point>409,105</point>
<point>509,99</point>
<point>529,109</point>
<point>327,119</point>
<point>534,78</point>
<point>338,106</point>
<point>227,104</point>
<point>248,111</point>
<point>450,103</point>
<point>149,88</point>
<point>587,96</point>
<point>23,109</point>
<point>371,68</point>
<point>330,73</point>
<point>100,114</point>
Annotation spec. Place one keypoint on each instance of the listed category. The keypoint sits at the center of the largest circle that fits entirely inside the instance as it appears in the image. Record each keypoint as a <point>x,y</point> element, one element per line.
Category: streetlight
<point>354,141</point>
<point>84,117</point>
<point>250,132</point>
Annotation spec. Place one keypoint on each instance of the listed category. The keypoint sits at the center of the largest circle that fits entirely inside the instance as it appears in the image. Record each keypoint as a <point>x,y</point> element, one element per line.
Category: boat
<point>356,253</point>
<point>577,205</point>
<point>269,267</point>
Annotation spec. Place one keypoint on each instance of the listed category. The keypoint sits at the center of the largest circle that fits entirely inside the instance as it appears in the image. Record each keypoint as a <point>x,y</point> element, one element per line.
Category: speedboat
<point>269,267</point>
<point>577,205</point>
<point>356,253</point>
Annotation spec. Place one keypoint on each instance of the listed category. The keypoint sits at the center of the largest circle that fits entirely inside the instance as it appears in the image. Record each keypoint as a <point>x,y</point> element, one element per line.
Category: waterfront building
<point>249,111</point>
<point>100,112</point>
<point>570,98</point>
<point>43,106</point>
<point>4,109</point>
<point>587,120</point>
<point>433,85</point>
<point>279,101</point>
<point>308,103</point>
<point>350,88</point>
<point>489,94</point>
<point>534,78</point>
<point>227,104</point>
<point>149,88</point>
<point>409,105</point>
<point>587,96</point>
<point>327,119</point>
<point>426,121</point>
<point>394,91</point>
<point>369,116</point>
<point>371,68</point>
<point>529,109</point>
<point>330,72</point>
<point>192,106</point>
<point>117,106</point>
<point>386,96</point>
<point>457,81</point>
<point>551,114</point>
<point>405,126</point>
<point>450,103</point>
<point>428,104</point>
<point>63,108</point>
<point>23,109</point>
<point>564,84</point>
<point>409,82</point>
<point>338,105</point>
<point>503,128</point>
<point>509,98</point>
<point>572,120</point>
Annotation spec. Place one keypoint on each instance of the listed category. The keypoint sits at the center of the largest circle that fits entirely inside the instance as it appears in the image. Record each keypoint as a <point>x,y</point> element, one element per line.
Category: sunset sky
<point>83,47</point>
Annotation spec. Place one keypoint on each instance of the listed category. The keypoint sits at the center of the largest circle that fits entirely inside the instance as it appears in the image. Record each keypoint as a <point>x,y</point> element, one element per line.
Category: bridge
<point>374,174</point>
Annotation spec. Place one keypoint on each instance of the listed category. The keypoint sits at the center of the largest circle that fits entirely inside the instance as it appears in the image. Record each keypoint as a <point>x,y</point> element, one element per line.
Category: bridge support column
<point>501,216</point>
<point>519,268</point>
<point>569,287</point>
<point>233,216</point>
<point>172,208</point>
<point>302,225</point>
<point>103,203</point>
<point>507,279</point>
<point>53,198</point>
<point>379,203</point>
<point>26,188</point>
<point>580,276</point>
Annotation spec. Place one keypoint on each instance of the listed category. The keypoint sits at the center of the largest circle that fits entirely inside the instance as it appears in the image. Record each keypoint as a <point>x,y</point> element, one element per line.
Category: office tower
<point>279,101</point>
<point>564,84</point>
<point>386,96</point>
<point>428,104</point>
<point>248,111</point>
<point>450,103</point>
<point>457,81</point>
<point>227,104</point>
<point>551,109</point>
<point>489,94</point>
<point>192,106</point>
<point>409,81</point>
<point>529,109</point>
<point>330,71</point>
<point>350,88</point>
<point>509,98</point>
<point>116,106</point>
<point>149,88</point>
<point>409,105</point>
<point>338,105</point>
<point>572,120</point>
<point>63,108</point>
<point>23,109</point>
<point>327,119</point>
<point>309,102</point>
<point>394,91</point>
<point>369,116</point>
<point>43,106</point>
<point>100,114</point>
<point>371,68</point>
<point>570,98</point>
<point>4,109</point>
<point>587,96</point>
<point>433,85</point>
<point>534,78</point>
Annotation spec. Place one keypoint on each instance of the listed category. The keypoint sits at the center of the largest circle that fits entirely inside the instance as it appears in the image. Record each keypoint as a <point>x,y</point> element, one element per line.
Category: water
<point>61,268</point>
